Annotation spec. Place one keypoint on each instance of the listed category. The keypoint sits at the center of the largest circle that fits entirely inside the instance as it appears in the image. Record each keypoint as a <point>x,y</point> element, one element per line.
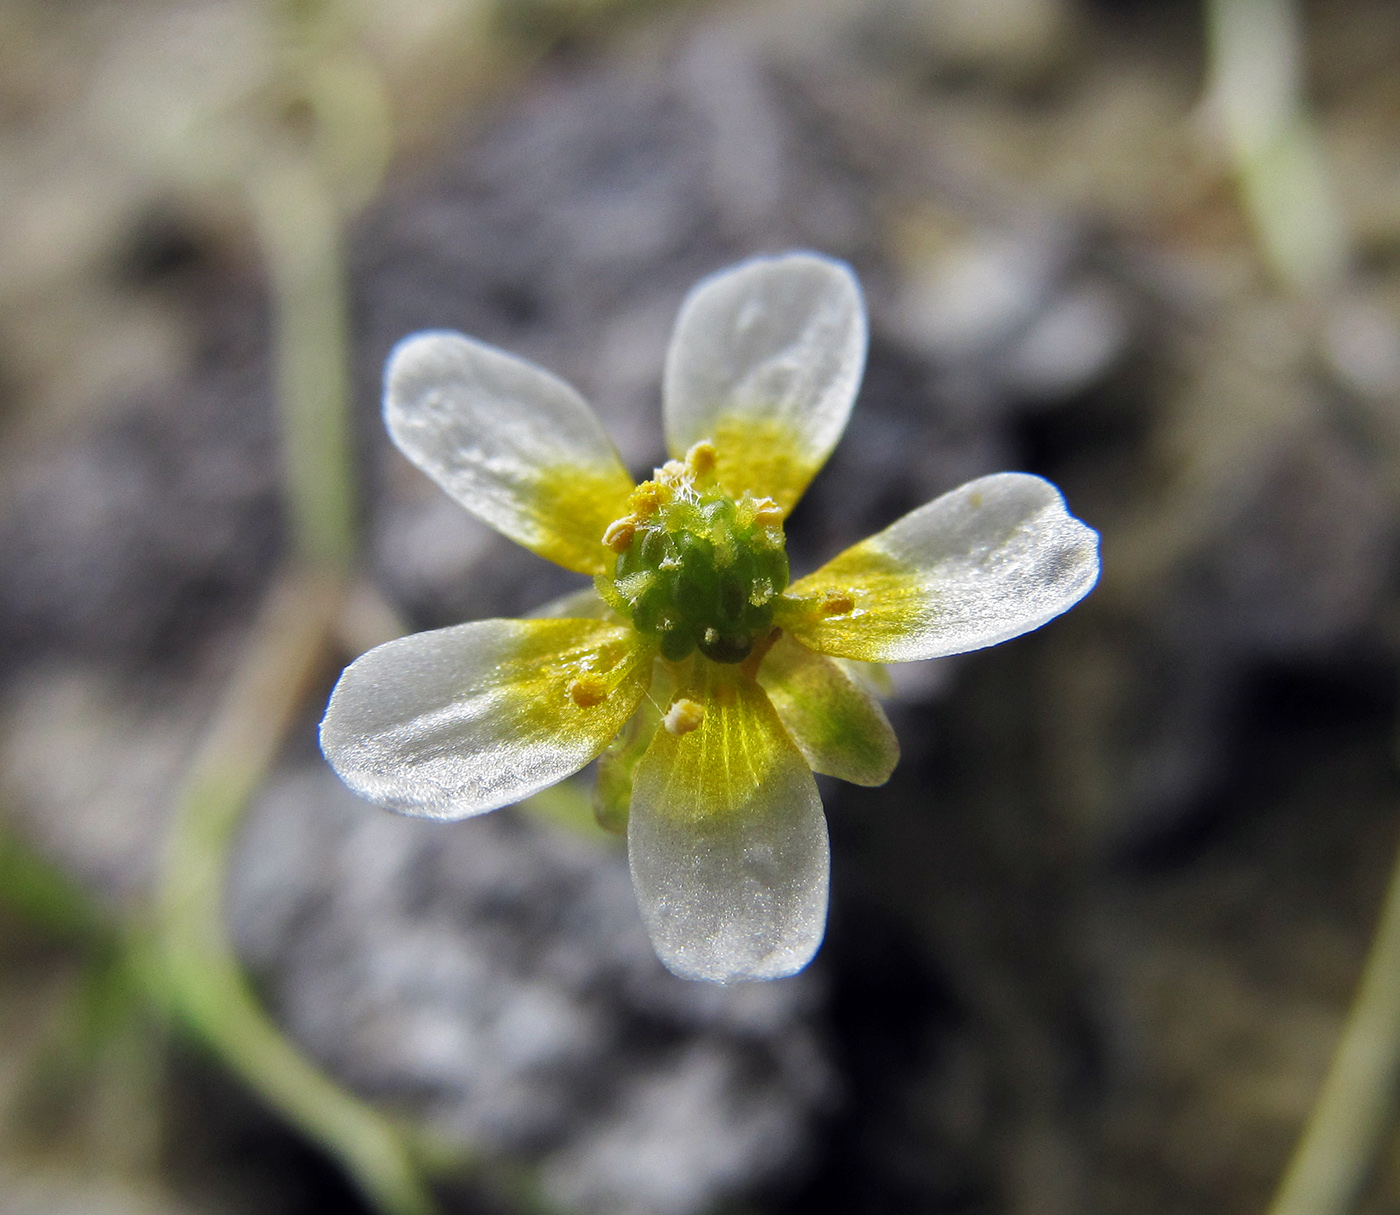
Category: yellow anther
<point>588,690</point>
<point>672,474</point>
<point>683,716</point>
<point>837,603</point>
<point>701,457</point>
<point>619,535</point>
<point>767,513</point>
<point>648,498</point>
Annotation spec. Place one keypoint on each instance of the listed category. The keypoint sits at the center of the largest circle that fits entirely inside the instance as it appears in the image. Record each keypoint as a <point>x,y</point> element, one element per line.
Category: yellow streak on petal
<point>860,604</point>
<point>838,727</point>
<point>721,767</point>
<point>571,507</point>
<point>573,675</point>
<point>764,457</point>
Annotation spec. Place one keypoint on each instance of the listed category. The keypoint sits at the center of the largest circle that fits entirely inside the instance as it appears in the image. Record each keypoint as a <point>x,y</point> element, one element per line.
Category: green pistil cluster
<point>696,568</point>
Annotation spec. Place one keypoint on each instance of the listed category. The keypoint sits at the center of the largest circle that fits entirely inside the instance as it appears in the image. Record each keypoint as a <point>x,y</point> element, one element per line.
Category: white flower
<point>703,679</point>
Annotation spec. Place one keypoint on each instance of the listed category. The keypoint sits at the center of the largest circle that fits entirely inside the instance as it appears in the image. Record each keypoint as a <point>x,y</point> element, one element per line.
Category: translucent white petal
<point>513,444</point>
<point>463,720</point>
<point>765,361</point>
<point>728,843</point>
<point>989,561</point>
<point>583,604</point>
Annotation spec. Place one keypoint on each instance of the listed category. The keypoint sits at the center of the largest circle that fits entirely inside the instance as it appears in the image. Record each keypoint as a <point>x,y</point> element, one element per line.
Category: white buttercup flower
<point>704,679</point>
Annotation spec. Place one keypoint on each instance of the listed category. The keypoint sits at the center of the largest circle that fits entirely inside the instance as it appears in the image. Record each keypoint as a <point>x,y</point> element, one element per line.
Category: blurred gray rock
<point>136,537</point>
<point>1009,43</point>
<point>57,1192</point>
<point>495,976</point>
<point>88,769</point>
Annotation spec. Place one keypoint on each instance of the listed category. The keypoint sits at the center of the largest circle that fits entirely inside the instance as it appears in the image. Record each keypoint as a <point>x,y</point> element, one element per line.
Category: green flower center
<point>695,567</point>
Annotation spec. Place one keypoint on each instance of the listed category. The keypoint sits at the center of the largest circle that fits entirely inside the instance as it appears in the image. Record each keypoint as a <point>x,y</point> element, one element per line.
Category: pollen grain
<point>701,458</point>
<point>683,716</point>
<point>619,535</point>
<point>588,690</point>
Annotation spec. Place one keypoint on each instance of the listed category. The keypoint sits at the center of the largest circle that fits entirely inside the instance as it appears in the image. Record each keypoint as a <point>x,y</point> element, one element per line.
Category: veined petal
<point>989,561</point>
<point>727,839</point>
<point>513,444</point>
<point>765,362</point>
<point>463,720</point>
<point>838,726</point>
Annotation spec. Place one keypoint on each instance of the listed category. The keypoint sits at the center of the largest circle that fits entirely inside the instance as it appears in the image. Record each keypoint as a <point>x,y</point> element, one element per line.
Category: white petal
<point>728,845</point>
<point>989,561</point>
<point>513,444</point>
<point>583,604</point>
<point>765,361</point>
<point>463,720</point>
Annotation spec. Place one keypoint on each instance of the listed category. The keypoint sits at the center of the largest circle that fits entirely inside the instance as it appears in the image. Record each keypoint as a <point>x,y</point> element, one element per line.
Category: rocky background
<point>1089,949</point>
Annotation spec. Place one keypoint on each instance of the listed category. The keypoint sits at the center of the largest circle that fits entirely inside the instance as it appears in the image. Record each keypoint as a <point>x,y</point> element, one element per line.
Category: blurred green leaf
<point>37,890</point>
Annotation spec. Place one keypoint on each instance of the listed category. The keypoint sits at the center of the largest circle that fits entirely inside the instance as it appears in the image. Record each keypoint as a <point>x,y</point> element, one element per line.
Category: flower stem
<point>1331,1162</point>
<point>1255,90</point>
<point>198,969</point>
<point>1255,52</point>
<point>43,895</point>
<point>299,228</point>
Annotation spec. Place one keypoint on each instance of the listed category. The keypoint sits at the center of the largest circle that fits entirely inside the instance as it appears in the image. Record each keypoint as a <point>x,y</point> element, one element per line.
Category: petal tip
<point>777,964</point>
<point>734,897</point>
<point>765,361</point>
<point>410,353</point>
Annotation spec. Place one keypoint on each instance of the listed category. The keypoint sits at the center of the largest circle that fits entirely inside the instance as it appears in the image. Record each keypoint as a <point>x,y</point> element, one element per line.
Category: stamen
<point>673,474</point>
<point>701,457</point>
<point>683,716</point>
<point>837,603</point>
<point>619,535</point>
<point>766,512</point>
<point>647,499</point>
<point>588,690</point>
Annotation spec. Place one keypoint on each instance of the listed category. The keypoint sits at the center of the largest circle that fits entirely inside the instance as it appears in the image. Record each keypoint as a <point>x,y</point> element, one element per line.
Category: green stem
<point>299,227</point>
<point>1254,49</point>
<point>38,890</point>
<point>1255,52</point>
<point>1353,1109</point>
<point>201,974</point>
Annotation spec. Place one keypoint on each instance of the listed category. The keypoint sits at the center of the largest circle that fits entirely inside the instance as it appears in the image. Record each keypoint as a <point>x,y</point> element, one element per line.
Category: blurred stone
<point>979,292</point>
<point>59,1192</point>
<point>495,975</point>
<point>90,764</point>
<point>1362,342</point>
<point>1011,42</point>
<point>1071,345</point>
<point>683,1134</point>
<point>130,538</point>
<point>1305,560</point>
